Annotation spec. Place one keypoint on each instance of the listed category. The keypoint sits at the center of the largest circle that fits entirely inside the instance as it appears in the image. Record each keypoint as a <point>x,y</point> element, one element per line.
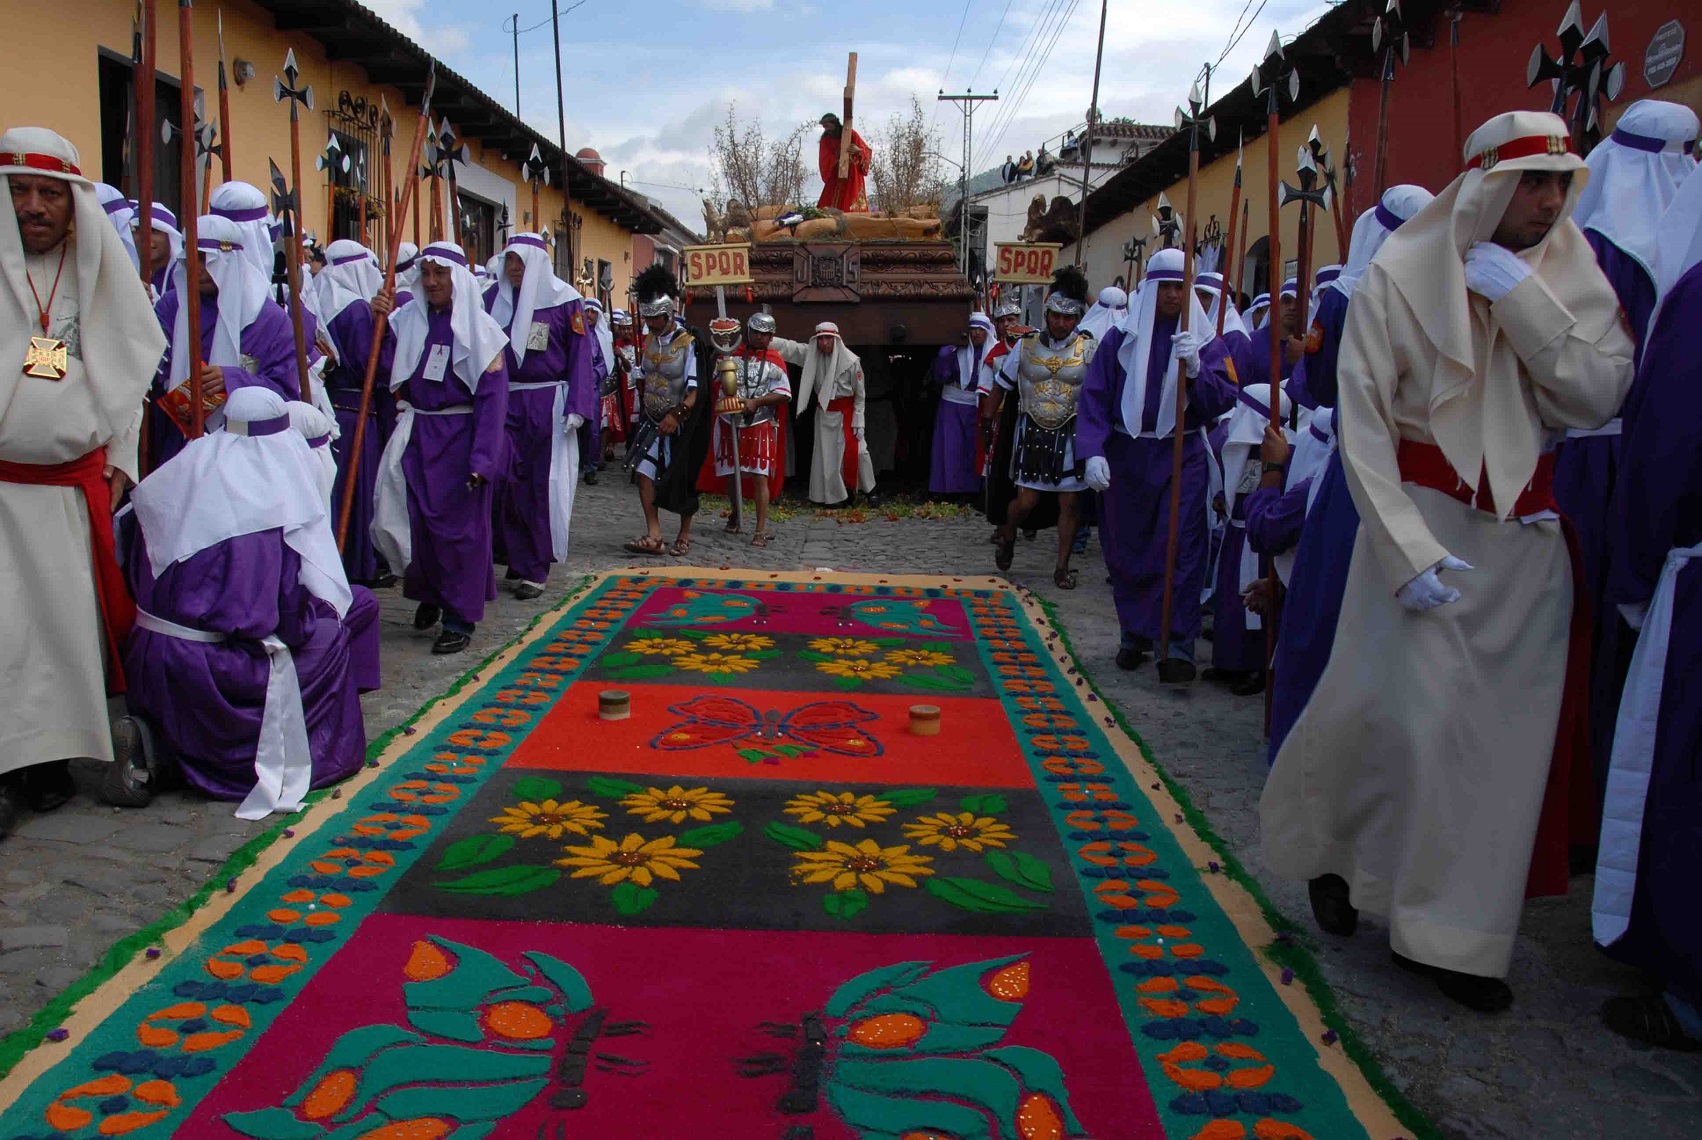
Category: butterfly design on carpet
<point>895,615</point>
<point>699,607</point>
<point>909,1050</point>
<point>820,726</point>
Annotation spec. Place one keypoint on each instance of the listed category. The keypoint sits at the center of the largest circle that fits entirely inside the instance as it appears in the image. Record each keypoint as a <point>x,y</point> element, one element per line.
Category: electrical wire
<point>950,60</point>
<point>1020,63</point>
<point>1026,86</point>
<point>996,30</point>
<point>512,32</point>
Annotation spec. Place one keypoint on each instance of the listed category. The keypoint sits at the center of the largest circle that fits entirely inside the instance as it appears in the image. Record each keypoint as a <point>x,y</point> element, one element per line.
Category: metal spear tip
<point>1573,20</point>
<point>290,68</point>
<point>1273,50</point>
<point>1194,99</point>
<point>1181,119</point>
<point>1315,140</point>
<point>1254,83</point>
<point>1615,81</point>
<point>1598,35</point>
<point>1303,160</point>
<point>1293,85</point>
<point>430,88</point>
<point>1394,9</point>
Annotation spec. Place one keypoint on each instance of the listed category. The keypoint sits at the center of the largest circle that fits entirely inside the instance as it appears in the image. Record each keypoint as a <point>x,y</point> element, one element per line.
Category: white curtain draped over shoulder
<point>225,485</point>
<point>242,294</point>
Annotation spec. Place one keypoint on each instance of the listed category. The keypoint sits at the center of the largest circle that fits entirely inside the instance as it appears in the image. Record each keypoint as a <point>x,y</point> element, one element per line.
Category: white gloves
<point>857,434</point>
<point>1426,591</point>
<point>1494,270</point>
<point>1098,475</point>
<point>1634,614</point>
<point>575,421</point>
<point>1186,346</point>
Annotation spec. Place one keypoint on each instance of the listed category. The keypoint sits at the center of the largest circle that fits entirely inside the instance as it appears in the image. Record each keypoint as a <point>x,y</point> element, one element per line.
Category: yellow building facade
<point>65,65</point>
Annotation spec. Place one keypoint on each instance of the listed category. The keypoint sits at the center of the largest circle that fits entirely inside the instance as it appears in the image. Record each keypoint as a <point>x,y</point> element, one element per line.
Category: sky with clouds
<point>645,81</point>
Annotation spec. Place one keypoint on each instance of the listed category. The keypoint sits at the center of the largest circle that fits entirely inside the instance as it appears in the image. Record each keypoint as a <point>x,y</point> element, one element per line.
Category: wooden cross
<point>846,150</point>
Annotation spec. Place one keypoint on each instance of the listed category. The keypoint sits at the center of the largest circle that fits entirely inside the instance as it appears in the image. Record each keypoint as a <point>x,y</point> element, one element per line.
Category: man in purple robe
<point>242,657</point>
<point>1644,911</point>
<point>432,511</point>
<point>595,438</point>
<point>246,338</point>
<point>165,246</point>
<point>958,373</point>
<point>552,393</point>
<point>346,288</point>
<point>1238,635</point>
<point>1634,173</point>
<point>1318,576</point>
<point>1253,359</point>
<point>1124,432</point>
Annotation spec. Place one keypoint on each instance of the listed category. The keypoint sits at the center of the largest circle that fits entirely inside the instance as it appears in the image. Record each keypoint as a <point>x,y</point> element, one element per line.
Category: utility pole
<point>967,104</point>
<point>1087,143</point>
<point>561,108</point>
<point>517,65</point>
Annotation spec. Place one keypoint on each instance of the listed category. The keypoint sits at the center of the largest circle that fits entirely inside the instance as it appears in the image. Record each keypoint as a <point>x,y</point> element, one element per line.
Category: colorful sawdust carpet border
<point>252,947</point>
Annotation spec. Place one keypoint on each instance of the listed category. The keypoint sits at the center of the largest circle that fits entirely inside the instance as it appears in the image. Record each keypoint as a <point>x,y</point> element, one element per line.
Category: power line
<point>1022,95</point>
<point>1229,42</point>
<point>946,74</point>
<point>536,26</point>
<point>1020,62</point>
<point>1239,36</point>
<point>999,27</point>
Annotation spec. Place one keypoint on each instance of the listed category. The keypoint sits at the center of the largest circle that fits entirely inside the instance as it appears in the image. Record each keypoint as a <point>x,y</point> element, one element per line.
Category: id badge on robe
<point>538,340</point>
<point>437,362</point>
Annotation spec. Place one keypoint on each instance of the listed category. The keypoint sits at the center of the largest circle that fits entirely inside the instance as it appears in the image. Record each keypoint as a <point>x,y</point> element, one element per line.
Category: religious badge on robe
<point>47,358</point>
<point>538,340</point>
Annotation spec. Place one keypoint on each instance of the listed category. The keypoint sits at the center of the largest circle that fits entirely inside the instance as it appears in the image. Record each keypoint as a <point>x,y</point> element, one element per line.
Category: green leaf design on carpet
<point>476,849</point>
<point>797,838</point>
<point>908,797</point>
<point>983,898</point>
<point>515,880</point>
<point>1021,868</point>
<point>630,898</point>
<point>985,805</point>
<point>536,788</point>
<point>712,835</point>
<point>613,789</point>
<point>846,904</point>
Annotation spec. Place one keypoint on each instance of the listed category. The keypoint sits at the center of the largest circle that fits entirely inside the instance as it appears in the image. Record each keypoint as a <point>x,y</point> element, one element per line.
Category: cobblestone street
<point>76,881</point>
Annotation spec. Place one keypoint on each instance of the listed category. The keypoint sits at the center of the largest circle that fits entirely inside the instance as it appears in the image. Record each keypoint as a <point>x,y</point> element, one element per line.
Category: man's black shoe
<point>1176,671</point>
<point>591,477</point>
<point>45,787</point>
<point>450,641</point>
<point>1251,684</point>
<point>8,809</point>
<point>1485,995</point>
<point>1331,905</point>
<point>1130,658</point>
<point>526,591</point>
<point>427,616</point>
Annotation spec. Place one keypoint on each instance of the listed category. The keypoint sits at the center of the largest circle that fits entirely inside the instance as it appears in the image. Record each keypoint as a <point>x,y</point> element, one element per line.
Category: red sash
<point>1570,813</point>
<point>845,406</point>
<point>117,610</point>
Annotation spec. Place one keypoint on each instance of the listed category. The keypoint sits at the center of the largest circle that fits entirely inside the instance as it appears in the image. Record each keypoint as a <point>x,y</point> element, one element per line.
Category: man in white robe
<point>1413,781</point>
<point>74,367</point>
<point>834,377</point>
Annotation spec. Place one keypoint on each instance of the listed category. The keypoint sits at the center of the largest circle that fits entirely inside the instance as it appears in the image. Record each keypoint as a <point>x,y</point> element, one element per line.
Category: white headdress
<point>121,214</point>
<point>121,340</point>
<point>244,206</point>
<point>1634,173</point>
<point>351,275</point>
<point>479,340</point>
<point>1132,355</point>
<point>540,288</point>
<point>242,294</point>
<point>1373,228</point>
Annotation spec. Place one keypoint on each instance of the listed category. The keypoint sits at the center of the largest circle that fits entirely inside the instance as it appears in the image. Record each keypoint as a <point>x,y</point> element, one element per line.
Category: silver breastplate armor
<point>664,367</point>
<point>1050,380</point>
<point>754,379</point>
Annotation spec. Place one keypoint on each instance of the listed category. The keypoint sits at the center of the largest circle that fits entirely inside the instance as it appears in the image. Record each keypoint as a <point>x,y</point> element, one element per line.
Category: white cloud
<point>403,15</point>
<point>736,5</point>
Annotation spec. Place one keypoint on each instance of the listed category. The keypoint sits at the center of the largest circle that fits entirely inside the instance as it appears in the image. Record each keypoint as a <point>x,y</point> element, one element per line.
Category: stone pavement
<point>74,882</point>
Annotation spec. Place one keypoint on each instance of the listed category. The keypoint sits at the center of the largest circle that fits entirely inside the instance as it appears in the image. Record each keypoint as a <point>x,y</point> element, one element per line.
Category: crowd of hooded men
<point>1472,513</point>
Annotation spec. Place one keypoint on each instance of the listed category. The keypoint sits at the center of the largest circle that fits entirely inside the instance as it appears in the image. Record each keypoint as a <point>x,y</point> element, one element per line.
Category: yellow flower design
<point>868,865</point>
<point>739,642</point>
<point>633,858</point>
<point>671,646</point>
<point>919,657</point>
<point>860,670</point>
<point>949,831</point>
<point>844,646</point>
<point>715,663</point>
<point>550,819</point>
<point>835,809</point>
<point>677,804</point>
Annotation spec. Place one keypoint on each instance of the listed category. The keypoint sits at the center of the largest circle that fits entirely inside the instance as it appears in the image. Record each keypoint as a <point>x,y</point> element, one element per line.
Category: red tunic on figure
<point>847,195</point>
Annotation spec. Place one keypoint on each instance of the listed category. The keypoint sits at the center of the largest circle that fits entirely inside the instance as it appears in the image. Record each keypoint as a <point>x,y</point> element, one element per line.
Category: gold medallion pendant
<point>46,359</point>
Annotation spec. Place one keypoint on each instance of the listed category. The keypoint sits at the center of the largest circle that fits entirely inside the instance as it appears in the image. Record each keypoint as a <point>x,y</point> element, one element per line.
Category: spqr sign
<point>709,265</point>
<point>1023,263</point>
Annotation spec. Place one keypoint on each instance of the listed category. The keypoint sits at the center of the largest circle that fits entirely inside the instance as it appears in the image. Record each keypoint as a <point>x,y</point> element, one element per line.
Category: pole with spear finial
<point>409,191</point>
<point>1388,35</point>
<point>224,105</point>
<point>537,172</point>
<point>298,97</point>
<point>1228,261</point>
<point>330,161</point>
<point>1332,198</point>
<point>1306,172</point>
<point>1582,70</point>
<point>191,236</point>
<point>387,175</point>
<point>1193,121</point>
<point>1272,83</point>
<point>451,150</point>
<point>1166,225</point>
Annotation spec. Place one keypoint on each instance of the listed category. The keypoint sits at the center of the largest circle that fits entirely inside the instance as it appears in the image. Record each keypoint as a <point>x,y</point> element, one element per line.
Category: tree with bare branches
<point>906,171</point>
<point>754,170</point>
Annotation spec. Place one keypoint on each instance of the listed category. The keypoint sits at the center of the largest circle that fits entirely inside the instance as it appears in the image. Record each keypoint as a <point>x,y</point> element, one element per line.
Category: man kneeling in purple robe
<point>1124,434</point>
<point>244,655</point>
<point>433,510</point>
